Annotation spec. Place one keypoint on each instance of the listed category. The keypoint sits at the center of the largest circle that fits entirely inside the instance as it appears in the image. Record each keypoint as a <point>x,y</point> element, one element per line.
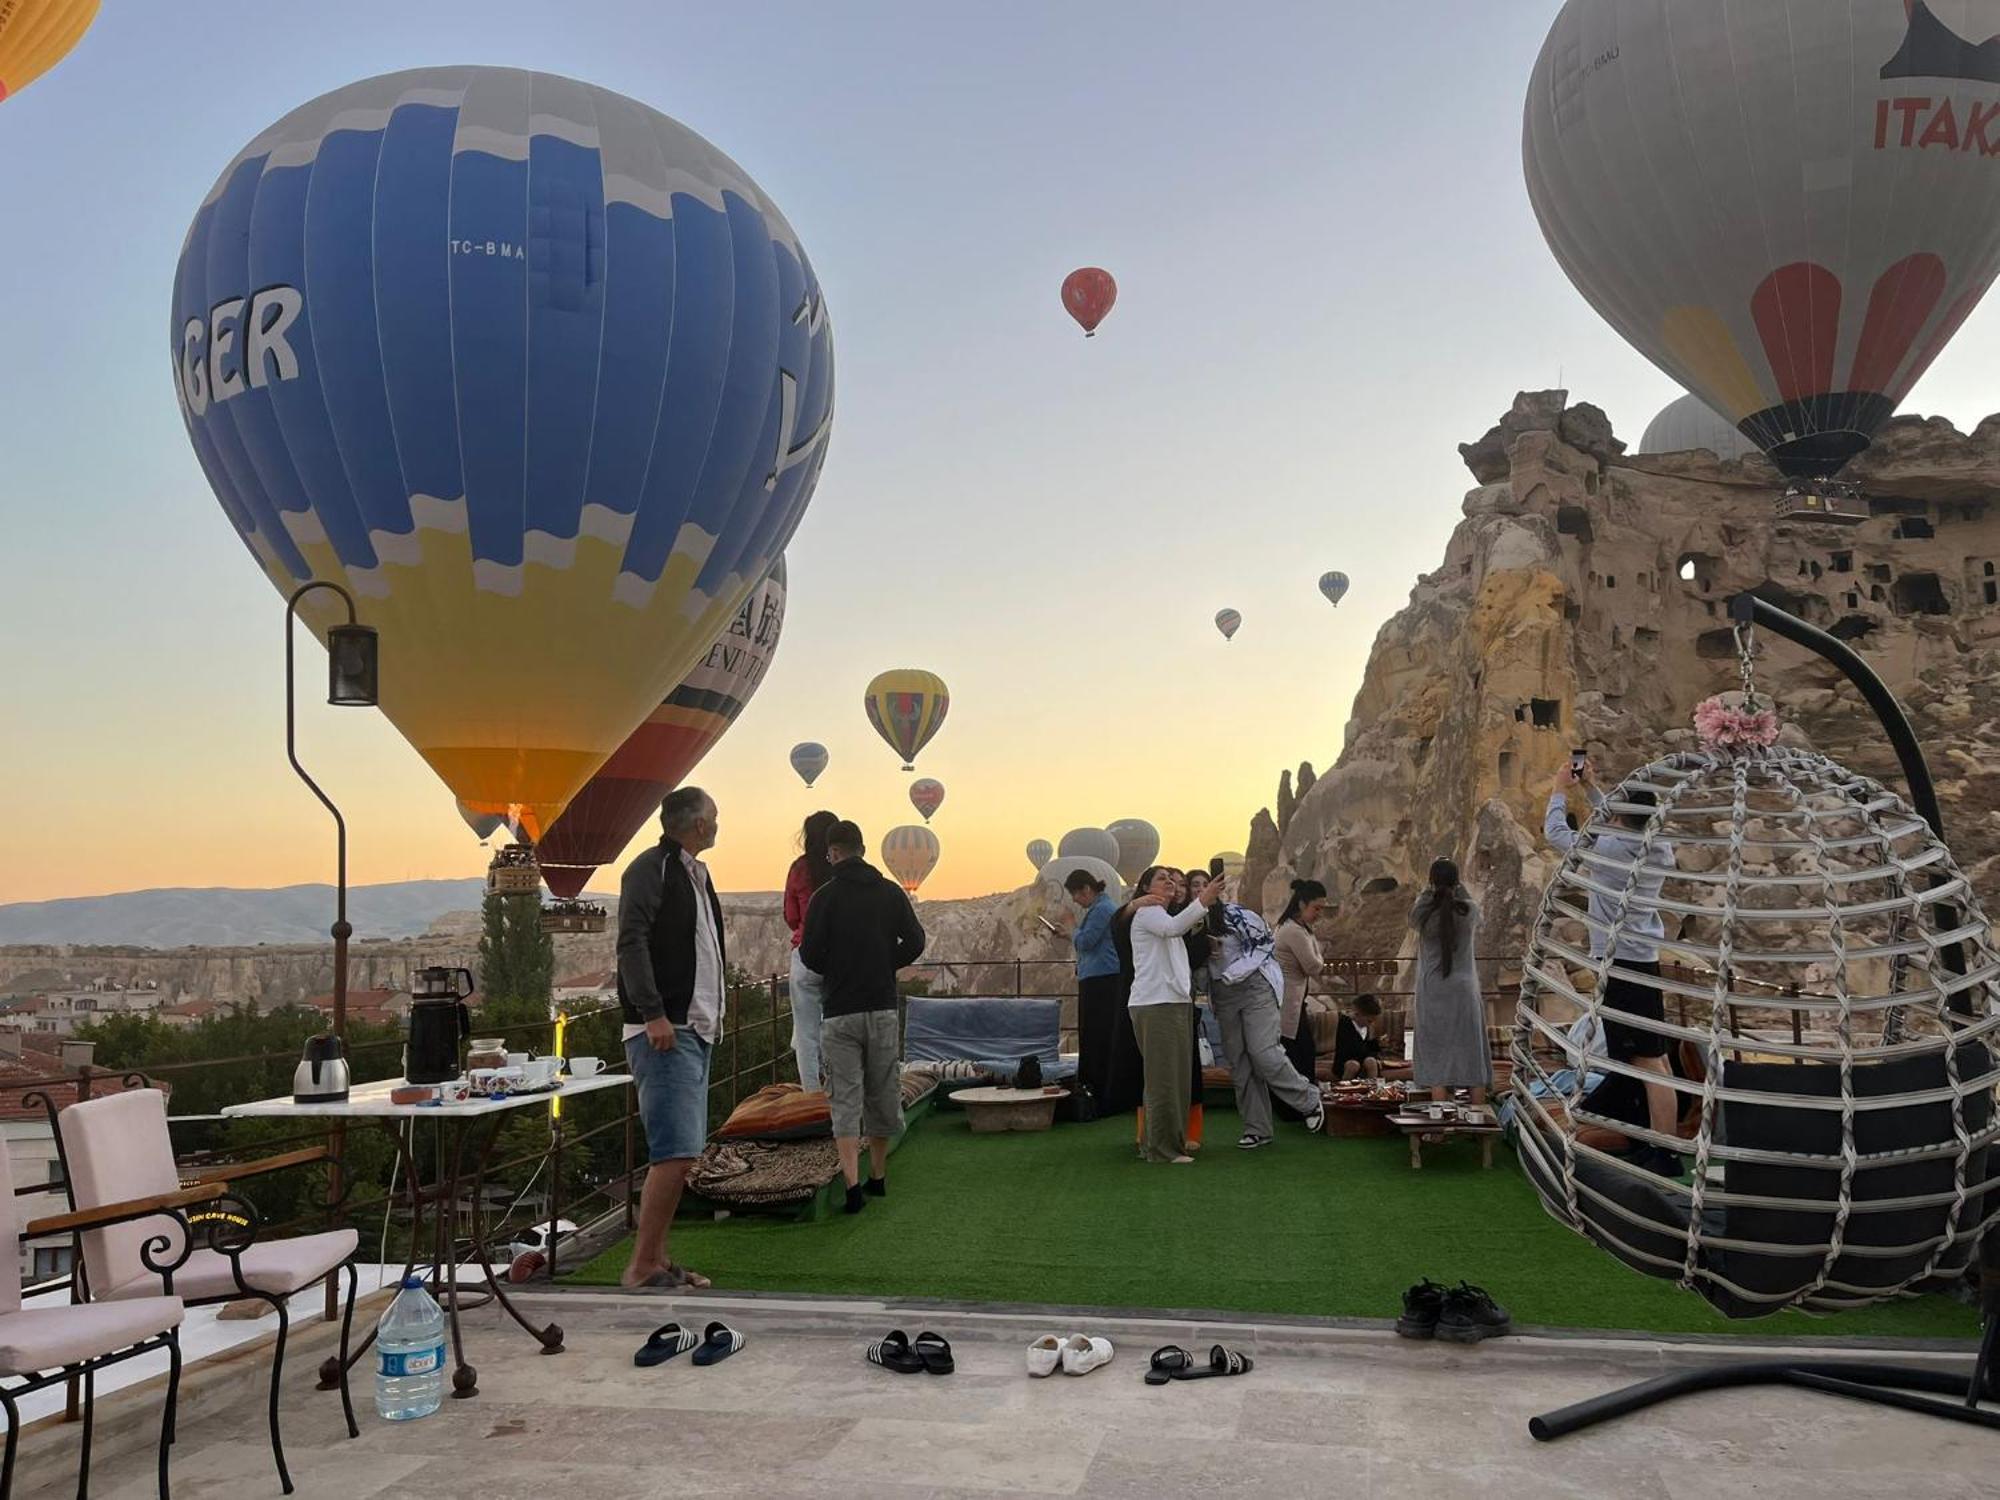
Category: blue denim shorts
<point>673,1094</point>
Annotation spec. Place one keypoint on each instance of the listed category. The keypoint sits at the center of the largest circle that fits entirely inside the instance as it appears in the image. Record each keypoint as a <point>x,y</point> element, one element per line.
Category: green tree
<point>517,960</point>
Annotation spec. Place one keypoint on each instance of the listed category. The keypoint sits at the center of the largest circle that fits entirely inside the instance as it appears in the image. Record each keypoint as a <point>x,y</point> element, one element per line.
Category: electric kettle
<point>439,1023</point>
<point>321,1076</point>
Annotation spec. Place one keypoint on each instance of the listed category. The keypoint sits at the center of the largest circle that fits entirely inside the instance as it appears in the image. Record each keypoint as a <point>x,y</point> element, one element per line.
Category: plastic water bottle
<point>409,1355</point>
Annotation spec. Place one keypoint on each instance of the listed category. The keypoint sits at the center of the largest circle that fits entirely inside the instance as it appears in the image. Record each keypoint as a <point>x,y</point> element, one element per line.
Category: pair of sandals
<point>930,1354</point>
<point>674,1278</point>
<point>1175,1363</point>
<point>715,1344</point>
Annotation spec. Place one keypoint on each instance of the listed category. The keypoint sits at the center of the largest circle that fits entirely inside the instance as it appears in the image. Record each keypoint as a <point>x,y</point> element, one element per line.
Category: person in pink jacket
<point>811,870</point>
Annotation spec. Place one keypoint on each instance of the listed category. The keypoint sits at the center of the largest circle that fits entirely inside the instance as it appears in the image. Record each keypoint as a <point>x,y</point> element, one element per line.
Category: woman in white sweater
<point>1162,1007</point>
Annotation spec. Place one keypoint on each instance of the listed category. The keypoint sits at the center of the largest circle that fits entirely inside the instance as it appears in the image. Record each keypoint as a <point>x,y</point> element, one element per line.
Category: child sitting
<point>1357,1046</point>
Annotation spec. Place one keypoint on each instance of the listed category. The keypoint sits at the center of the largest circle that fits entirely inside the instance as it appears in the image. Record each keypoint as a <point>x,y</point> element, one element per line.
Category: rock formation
<point>1583,601</point>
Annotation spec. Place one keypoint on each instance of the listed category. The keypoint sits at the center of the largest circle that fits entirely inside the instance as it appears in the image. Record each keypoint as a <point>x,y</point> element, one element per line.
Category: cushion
<point>984,1030</point>
<point>779,1112</point>
<point>755,1174</point>
<point>44,1338</point>
<point>118,1149</point>
<point>279,1267</point>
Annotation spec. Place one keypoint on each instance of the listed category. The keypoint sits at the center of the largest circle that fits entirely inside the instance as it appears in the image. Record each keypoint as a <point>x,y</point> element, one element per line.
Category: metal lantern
<point>351,666</point>
<point>1826,993</point>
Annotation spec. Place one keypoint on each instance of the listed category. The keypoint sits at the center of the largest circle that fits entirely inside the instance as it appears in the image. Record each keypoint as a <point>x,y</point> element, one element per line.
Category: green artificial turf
<point>1323,1227</point>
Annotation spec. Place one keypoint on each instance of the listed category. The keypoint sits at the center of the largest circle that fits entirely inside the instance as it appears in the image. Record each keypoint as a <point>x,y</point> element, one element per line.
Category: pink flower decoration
<point>1724,725</point>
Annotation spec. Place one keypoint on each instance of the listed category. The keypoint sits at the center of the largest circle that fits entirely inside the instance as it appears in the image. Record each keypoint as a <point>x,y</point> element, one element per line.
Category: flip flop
<point>894,1353</point>
<point>1167,1363</point>
<point>694,1281</point>
<point>672,1279</point>
<point>663,1343</point>
<point>718,1342</point>
<point>932,1349</point>
<point>1221,1361</point>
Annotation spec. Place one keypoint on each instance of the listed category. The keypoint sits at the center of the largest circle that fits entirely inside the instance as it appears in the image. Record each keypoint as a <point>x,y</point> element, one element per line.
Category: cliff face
<point>1583,601</point>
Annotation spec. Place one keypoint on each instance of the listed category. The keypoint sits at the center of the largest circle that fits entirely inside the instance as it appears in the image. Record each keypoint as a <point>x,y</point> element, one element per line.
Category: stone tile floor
<point>799,1413</point>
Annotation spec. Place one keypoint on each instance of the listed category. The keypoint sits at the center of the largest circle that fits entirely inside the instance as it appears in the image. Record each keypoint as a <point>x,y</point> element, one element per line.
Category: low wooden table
<point>989,1111</point>
<point>1422,1130</point>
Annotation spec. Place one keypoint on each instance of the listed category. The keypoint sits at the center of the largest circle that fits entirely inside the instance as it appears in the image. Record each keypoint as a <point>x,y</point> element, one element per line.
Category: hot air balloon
<point>1040,852</point>
<point>421,336</point>
<point>1138,846</point>
<point>809,759</point>
<point>1054,872</point>
<point>1097,843</point>
<point>1690,423</point>
<point>1334,586</point>
<point>911,853</point>
<point>1087,296</point>
<point>624,796</point>
<point>1779,205</point>
<point>1228,621</point>
<point>483,825</point>
<point>907,708</point>
<point>927,796</point>
<point>35,35</point>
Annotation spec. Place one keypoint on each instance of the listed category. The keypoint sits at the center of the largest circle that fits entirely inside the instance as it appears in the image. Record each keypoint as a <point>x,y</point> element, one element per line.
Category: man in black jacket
<point>672,988</point>
<point>860,929</point>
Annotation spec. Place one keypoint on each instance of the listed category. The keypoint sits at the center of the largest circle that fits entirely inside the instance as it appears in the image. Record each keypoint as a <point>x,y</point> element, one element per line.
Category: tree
<point>517,960</point>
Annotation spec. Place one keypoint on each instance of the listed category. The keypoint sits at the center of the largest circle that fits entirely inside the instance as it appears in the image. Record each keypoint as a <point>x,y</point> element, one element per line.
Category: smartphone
<point>1215,868</point>
<point>1576,762</point>
<point>1050,925</point>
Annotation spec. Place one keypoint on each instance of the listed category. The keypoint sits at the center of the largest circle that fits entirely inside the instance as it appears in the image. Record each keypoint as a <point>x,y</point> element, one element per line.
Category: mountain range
<point>222,917</point>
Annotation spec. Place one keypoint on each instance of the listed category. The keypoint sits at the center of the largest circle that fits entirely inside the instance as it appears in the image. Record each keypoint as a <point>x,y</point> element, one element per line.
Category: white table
<point>459,1123</point>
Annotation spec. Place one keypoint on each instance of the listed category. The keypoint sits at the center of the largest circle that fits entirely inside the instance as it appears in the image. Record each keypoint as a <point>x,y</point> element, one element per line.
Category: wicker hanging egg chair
<point>1826,995</point>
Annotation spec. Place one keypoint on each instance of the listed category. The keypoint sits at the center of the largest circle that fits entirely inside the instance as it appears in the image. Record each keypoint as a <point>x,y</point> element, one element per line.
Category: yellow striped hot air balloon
<point>907,707</point>
<point>910,853</point>
<point>35,35</point>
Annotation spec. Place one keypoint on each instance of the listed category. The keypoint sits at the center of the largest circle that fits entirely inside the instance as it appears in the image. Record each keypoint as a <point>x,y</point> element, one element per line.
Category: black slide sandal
<point>717,1344</point>
<point>894,1353</point>
<point>1167,1363</point>
<point>663,1343</point>
<point>935,1352</point>
<point>1221,1361</point>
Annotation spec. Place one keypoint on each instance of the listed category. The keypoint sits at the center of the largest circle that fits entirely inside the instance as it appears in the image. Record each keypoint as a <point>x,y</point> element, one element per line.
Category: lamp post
<point>351,682</point>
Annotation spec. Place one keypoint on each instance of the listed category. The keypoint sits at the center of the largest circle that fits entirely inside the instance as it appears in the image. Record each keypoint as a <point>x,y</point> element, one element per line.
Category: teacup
<point>540,1073</point>
<point>585,1067</point>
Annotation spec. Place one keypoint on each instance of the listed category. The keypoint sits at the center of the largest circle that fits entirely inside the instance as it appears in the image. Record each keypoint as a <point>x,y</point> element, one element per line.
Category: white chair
<point>45,1346</point>
<point>117,1148</point>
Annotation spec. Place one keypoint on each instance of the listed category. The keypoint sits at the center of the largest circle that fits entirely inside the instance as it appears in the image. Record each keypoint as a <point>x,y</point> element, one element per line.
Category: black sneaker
<point>1471,1315</point>
<point>1422,1306</point>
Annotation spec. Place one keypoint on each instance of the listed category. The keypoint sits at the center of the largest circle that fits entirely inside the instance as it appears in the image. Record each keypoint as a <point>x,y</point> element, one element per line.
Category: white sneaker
<point>1081,1354</point>
<point>1044,1355</point>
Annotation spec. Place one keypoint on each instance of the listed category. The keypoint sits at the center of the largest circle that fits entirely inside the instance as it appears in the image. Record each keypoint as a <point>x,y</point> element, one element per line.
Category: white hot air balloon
<point>1138,846</point>
<point>1691,423</point>
<point>1098,843</point>
<point>1052,875</point>
<point>1040,852</point>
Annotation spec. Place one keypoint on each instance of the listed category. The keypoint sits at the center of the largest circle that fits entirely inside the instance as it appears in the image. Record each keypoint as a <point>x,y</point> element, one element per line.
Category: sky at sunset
<point>1329,276</point>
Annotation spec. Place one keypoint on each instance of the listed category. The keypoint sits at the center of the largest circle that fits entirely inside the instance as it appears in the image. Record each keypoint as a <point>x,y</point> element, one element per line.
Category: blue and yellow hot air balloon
<point>809,759</point>
<point>907,708</point>
<point>35,35</point>
<point>536,372</point>
<point>1334,586</point>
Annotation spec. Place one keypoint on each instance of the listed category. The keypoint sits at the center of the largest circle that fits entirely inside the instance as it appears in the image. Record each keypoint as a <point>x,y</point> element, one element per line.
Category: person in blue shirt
<point>1639,865</point>
<point>1100,997</point>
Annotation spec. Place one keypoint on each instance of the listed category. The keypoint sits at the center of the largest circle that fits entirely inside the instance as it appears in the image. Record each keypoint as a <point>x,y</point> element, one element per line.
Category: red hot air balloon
<point>927,796</point>
<point>1087,296</point>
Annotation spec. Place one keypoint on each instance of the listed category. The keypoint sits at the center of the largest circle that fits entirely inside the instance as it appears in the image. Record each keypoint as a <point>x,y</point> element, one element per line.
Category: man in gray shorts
<point>860,929</point>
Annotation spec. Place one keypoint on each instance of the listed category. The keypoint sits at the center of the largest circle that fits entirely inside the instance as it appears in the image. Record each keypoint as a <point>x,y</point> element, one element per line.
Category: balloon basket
<point>574,916</point>
<point>514,871</point>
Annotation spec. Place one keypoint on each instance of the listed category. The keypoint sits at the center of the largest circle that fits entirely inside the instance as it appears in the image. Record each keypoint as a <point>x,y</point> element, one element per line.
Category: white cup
<point>541,1072</point>
<point>585,1067</point>
<point>517,1059</point>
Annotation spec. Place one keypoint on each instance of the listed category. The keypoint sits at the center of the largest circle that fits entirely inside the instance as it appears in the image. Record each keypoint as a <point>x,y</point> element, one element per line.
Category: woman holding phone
<point>1100,1000</point>
<point>1161,1006</point>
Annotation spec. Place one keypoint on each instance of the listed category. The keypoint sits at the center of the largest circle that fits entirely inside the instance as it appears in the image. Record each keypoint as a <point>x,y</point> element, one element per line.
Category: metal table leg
<point>551,1337</point>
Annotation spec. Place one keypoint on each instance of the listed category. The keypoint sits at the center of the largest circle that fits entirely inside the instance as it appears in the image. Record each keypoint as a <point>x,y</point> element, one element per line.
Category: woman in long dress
<point>1451,1050</point>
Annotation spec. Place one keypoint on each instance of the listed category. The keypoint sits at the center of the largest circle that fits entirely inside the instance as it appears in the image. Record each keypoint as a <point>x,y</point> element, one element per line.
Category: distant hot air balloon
<point>1138,846</point>
<point>536,372</point>
<point>1691,423</point>
<point>1232,865</point>
<point>483,825</point>
<point>1097,843</point>
<point>1040,852</point>
<point>1334,586</point>
<point>910,853</point>
<point>624,796</point>
<point>1228,621</point>
<point>35,35</point>
<point>1054,872</point>
<point>1778,204</point>
<point>1087,295</point>
<point>907,708</point>
<point>809,759</point>
<point>927,796</point>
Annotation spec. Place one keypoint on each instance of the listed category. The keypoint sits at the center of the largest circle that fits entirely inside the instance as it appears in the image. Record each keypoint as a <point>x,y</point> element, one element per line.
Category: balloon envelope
<point>1138,846</point>
<point>1228,621</point>
<point>907,708</point>
<point>534,371</point>
<point>1334,586</point>
<point>927,796</point>
<point>483,825</point>
<point>35,35</point>
<point>910,853</point>
<point>1779,205</point>
<point>1087,295</point>
<point>1040,852</point>
<point>1054,872</point>
<point>809,759</point>
<point>1097,843</point>
<point>1690,423</point>
<point>625,794</point>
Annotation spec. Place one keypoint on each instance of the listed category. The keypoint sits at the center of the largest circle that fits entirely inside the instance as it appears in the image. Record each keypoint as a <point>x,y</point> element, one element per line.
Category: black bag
<point>1030,1076</point>
<point>1080,1108</point>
